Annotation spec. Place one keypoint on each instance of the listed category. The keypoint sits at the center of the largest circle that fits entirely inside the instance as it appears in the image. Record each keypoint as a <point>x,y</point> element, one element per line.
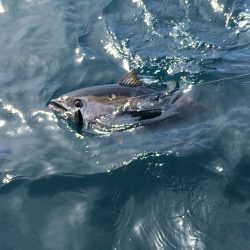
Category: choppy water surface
<point>178,187</point>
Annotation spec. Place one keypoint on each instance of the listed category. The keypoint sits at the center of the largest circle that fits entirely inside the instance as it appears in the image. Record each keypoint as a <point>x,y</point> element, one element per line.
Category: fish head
<point>70,109</point>
<point>83,108</point>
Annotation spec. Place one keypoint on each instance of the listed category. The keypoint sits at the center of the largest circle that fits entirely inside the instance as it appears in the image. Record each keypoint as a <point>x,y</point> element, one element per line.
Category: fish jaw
<point>57,106</point>
<point>60,109</point>
<point>73,117</point>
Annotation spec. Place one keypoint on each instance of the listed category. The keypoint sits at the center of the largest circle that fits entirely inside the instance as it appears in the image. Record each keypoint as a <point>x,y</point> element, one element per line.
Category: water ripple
<point>184,186</point>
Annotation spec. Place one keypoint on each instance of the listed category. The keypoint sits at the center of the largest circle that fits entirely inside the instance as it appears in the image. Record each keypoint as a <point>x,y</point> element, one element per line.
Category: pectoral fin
<point>144,114</point>
<point>78,119</point>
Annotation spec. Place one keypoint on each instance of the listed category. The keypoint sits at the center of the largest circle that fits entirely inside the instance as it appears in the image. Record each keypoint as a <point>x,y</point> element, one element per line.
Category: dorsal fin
<point>130,80</point>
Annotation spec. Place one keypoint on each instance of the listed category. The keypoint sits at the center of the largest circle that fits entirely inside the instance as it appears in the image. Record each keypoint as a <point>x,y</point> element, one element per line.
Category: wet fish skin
<point>109,108</point>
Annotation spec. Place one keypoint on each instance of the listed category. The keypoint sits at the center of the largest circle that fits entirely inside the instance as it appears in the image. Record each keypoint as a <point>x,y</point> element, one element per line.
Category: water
<point>177,187</point>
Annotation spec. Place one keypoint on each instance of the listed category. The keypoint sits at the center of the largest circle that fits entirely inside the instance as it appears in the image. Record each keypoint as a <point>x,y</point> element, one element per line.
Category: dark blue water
<point>186,186</point>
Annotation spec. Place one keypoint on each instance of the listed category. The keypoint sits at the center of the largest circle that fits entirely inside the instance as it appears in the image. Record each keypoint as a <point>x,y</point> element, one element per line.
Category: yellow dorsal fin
<point>130,80</point>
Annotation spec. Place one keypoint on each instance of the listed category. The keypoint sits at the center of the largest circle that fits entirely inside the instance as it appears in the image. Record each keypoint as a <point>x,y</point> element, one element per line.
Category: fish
<point>129,104</point>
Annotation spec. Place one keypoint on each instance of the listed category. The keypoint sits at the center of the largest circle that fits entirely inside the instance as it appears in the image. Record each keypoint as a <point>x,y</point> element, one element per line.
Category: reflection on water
<point>48,119</point>
<point>118,50</point>
<point>15,113</point>
<point>2,123</point>
<point>7,179</point>
<point>130,208</point>
<point>217,6</point>
<point>183,186</point>
<point>2,10</point>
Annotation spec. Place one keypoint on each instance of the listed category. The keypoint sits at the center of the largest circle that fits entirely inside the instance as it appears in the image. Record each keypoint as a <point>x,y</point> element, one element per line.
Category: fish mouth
<point>57,106</point>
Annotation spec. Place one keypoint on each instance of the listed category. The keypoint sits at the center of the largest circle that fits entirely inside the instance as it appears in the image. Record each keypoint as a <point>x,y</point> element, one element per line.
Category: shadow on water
<point>163,202</point>
<point>182,188</point>
<point>234,221</point>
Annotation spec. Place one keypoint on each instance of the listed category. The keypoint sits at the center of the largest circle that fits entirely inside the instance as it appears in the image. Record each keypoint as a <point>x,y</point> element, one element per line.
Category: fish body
<point>109,108</point>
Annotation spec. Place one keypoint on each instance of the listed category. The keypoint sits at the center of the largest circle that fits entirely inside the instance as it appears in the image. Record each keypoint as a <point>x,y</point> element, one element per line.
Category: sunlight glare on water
<point>180,184</point>
<point>217,6</point>
<point>23,128</point>
<point>2,10</point>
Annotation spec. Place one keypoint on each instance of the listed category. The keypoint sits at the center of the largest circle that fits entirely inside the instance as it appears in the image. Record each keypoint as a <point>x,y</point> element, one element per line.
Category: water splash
<point>24,128</point>
<point>217,7</point>
<point>148,18</point>
<point>7,179</point>
<point>2,123</point>
<point>118,50</point>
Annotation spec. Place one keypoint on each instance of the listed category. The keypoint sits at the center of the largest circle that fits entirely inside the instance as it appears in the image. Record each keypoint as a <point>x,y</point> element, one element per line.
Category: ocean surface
<point>185,186</point>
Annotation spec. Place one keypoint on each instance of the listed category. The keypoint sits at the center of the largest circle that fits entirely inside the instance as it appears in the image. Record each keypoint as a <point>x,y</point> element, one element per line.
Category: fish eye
<point>78,103</point>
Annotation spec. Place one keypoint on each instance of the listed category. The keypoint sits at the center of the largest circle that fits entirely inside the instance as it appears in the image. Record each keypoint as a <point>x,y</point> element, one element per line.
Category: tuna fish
<point>122,106</point>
